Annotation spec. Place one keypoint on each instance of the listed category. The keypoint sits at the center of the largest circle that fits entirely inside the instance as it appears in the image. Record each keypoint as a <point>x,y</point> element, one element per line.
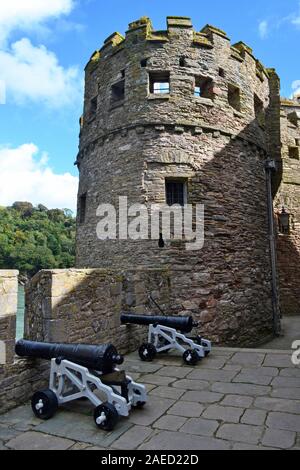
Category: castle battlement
<point>178,27</point>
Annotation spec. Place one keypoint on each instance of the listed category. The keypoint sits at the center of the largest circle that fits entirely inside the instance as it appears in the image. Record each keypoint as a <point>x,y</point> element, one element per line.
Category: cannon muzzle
<point>183,324</point>
<point>101,358</point>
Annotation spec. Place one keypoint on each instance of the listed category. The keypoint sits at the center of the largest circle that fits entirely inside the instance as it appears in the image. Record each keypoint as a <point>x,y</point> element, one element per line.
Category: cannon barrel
<point>183,324</point>
<point>101,358</point>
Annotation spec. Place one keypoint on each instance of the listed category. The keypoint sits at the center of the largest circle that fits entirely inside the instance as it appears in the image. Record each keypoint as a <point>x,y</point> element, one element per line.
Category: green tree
<point>36,238</point>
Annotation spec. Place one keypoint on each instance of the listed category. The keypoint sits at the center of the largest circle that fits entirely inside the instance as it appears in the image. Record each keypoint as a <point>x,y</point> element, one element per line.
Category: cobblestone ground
<point>235,399</point>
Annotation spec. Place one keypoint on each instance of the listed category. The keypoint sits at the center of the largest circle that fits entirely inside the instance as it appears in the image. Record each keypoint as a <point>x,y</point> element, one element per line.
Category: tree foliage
<point>34,238</point>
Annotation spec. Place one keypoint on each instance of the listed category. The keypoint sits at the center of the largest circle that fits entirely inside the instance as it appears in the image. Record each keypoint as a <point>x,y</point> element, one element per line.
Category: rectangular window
<point>159,83</point>
<point>176,192</point>
<point>294,153</point>
<point>234,97</point>
<point>82,208</point>
<point>204,88</point>
<point>259,111</point>
<point>93,106</point>
<point>118,92</point>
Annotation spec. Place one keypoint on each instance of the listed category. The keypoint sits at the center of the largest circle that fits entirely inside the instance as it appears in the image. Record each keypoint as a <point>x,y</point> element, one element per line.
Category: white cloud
<point>296,88</point>
<point>263,29</point>
<point>34,73</point>
<point>26,176</point>
<point>30,72</point>
<point>26,15</point>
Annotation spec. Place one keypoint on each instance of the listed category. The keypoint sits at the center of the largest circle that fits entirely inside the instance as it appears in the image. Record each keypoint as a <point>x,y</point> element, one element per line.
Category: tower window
<point>159,82</point>
<point>82,208</point>
<point>204,88</point>
<point>144,63</point>
<point>93,106</point>
<point>182,62</point>
<point>294,153</point>
<point>234,97</point>
<point>221,72</point>
<point>176,192</point>
<point>118,92</point>
<point>259,111</point>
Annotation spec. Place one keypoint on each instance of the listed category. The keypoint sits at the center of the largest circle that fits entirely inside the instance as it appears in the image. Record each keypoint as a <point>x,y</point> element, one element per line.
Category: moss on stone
<point>201,40</point>
<point>214,29</point>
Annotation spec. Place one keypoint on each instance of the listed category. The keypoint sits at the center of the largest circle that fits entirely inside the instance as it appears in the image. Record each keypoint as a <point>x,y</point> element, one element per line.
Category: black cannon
<point>163,336</point>
<point>101,358</point>
<point>182,324</point>
<point>77,370</point>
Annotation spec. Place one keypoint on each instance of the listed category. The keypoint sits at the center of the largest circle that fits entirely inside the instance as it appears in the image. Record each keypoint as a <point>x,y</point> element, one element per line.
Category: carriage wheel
<point>190,357</point>
<point>44,404</point>
<point>106,416</point>
<point>147,352</point>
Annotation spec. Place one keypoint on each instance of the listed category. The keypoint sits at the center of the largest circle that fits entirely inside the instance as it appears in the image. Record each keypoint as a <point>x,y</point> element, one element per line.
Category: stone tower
<point>185,116</point>
<point>288,196</point>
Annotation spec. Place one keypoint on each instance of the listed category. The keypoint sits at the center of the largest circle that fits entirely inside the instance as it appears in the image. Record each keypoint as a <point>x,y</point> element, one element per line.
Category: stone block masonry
<point>8,309</point>
<point>72,306</point>
<point>18,378</point>
<point>84,305</point>
<point>288,196</point>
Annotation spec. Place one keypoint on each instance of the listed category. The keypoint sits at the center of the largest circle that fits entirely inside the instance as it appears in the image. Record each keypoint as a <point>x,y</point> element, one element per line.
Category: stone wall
<point>73,306</point>
<point>8,309</point>
<point>288,245</point>
<point>84,306</point>
<point>18,378</point>
<point>130,149</point>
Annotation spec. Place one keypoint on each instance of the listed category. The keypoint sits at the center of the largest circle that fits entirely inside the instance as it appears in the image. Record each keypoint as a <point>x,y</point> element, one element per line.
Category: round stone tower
<point>184,117</point>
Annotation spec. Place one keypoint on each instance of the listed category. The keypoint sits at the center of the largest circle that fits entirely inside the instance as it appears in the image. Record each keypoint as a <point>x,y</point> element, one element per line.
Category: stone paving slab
<point>202,397</point>
<point>289,393</point>
<point>282,439</point>
<point>158,379</point>
<point>212,375</point>
<point>167,440</point>
<point>247,359</point>
<point>132,438</point>
<point>239,401</point>
<point>7,433</point>
<point>186,409</point>
<point>290,372</point>
<point>278,404</point>
<point>79,427</point>
<point>285,421</point>
<point>278,360</point>
<point>155,408</point>
<point>177,372</point>
<point>255,417</point>
<point>234,399</point>
<point>200,427</point>
<point>286,382</point>
<point>240,389</point>
<point>32,440</point>
<point>170,422</point>
<point>191,384</point>
<point>250,378</point>
<point>223,413</point>
<point>241,433</point>
<point>167,392</point>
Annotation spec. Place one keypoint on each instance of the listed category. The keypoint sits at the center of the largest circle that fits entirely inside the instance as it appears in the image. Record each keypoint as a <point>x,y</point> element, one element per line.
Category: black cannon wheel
<point>44,404</point>
<point>109,412</point>
<point>190,357</point>
<point>147,352</point>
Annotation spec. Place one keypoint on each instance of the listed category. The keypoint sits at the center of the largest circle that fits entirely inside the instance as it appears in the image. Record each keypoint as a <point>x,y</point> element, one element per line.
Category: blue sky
<point>44,47</point>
